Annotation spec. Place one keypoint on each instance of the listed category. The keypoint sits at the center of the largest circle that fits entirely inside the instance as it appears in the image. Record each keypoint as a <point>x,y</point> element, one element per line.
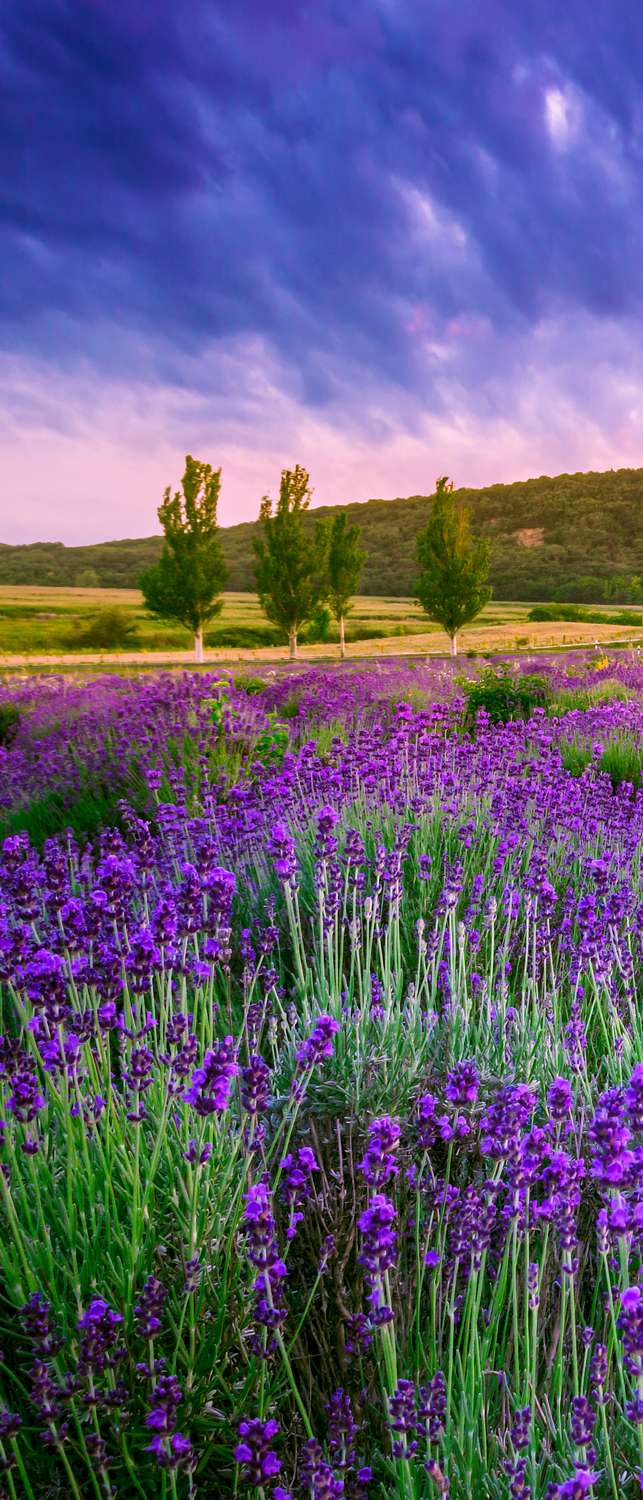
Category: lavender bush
<point>321,1096</point>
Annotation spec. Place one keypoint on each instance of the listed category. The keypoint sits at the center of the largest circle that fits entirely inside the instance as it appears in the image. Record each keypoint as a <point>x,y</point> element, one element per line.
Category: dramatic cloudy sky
<point>384,238</point>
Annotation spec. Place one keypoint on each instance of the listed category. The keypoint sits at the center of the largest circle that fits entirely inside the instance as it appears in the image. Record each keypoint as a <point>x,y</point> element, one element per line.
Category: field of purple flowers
<point>321,1088</point>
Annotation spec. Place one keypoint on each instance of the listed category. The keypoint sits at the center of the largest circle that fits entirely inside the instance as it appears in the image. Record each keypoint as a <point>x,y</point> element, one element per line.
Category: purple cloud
<point>406,236</point>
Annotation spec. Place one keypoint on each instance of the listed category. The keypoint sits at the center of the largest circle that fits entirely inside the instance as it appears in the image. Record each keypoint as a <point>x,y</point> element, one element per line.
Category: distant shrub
<point>242,637</point>
<point>170,638</point>
<point>271,745</point>
<point>290,707</point>
<point>9,721</point>
<point>583,615</point>
<point>110,630</point>
<point>503,695</point>
<point>249,685</point>
<point>366,632</point>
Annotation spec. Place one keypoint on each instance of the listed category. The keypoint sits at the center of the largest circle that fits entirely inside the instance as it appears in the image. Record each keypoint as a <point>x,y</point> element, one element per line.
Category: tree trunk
<point>292,643</point>
<point>454,645</point>
<point>342,639</point>
<point>198,644</point>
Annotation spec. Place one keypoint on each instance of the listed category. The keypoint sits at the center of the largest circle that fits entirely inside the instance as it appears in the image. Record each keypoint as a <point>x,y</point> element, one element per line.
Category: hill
<point>577,536</point>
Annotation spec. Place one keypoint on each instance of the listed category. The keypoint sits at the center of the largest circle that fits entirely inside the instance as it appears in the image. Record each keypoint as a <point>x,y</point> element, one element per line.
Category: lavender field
<point>321,1086</point>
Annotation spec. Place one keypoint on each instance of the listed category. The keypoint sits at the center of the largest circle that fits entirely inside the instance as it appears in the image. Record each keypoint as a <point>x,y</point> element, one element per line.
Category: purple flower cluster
<point>209,1090</point>
<point>171,1448</point>
<point>155,1089</point>
<point>263,1252</point>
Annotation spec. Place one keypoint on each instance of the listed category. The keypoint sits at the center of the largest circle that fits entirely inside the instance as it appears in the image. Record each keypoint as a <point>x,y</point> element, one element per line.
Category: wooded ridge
<point>570,534</point>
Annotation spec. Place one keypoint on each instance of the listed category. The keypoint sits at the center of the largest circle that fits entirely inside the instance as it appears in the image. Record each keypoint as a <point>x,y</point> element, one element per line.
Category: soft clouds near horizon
<point>386,240</point>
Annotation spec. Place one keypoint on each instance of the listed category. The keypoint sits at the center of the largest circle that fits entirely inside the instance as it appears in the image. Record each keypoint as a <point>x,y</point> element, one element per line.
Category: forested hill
<point>572,532</point>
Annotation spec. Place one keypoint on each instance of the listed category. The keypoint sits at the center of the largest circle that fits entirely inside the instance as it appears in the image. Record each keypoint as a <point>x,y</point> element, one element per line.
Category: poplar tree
<point>185,585</point>
<point>290,559</point>
<point>344,569</point>
<point>453,584</point>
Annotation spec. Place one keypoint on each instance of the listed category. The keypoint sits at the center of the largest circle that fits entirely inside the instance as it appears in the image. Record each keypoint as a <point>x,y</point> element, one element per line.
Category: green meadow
<point>40,621</point>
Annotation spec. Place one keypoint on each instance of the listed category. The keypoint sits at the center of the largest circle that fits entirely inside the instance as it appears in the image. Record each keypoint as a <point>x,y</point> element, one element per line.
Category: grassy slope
<point>576,524</point>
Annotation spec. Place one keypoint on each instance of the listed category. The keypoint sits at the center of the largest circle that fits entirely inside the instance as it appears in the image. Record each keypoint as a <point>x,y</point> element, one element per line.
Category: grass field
<point>38,623</point>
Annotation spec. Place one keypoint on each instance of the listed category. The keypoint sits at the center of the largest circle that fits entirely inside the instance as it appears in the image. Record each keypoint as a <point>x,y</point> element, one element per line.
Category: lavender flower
<point>630,1323</point>
<point>296,1184</point>
<point>261,1242</point>
<point>148,1309</point>
<point>209,1091</point>
<point>403,1419</point>
<point>378,1252</point>
<point>171,1448</point>
<point>379,1164</point>
<point>319,1044</point>
<point>432,1408</point>
<point>255,1082</point>
<point>317,1476</point>
<point>254,1452</point>
<point>342,1431</point>
<point>100,1328</point>
<point>463,1083</point>
<point>559,1099</point>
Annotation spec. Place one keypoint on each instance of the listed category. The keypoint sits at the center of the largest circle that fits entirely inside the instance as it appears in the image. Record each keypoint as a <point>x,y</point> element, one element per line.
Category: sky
<point>386,239</point>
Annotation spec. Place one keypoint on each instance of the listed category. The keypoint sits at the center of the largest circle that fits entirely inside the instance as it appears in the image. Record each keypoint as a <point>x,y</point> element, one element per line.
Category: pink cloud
<point>86,460</point>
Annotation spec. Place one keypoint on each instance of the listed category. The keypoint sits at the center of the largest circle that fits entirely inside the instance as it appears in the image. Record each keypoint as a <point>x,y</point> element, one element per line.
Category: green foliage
<point>576,612</point>
<point>564,700</point>
<point>622,760</point>
<point>345,562</point>
<point>87,578</point>
<point>9,721</point>
<point>575,755</point>
<point>367,632</point>
<point>110,630</point>
<point>503,695</point>
<point>94,808</point>
<point>272,744</point>
<point>591,548</point>
<point>335,730</point>
<point>241,637</point>
<point>452,587</point>
<point>250,685</point>
<point>290,563</point>
<point>417,697</point>
<point>290,706</point>
<point>318,631</point>
<point>219,707</point>
<point>186,583</point>
<point>616,588</point>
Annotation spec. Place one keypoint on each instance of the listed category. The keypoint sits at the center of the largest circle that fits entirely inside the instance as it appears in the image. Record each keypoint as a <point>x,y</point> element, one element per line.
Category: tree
<point>290,560</point>
<point>452,587</point>
<point>87,579</point>
<point>345,562</point>
<point>187,582</point>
